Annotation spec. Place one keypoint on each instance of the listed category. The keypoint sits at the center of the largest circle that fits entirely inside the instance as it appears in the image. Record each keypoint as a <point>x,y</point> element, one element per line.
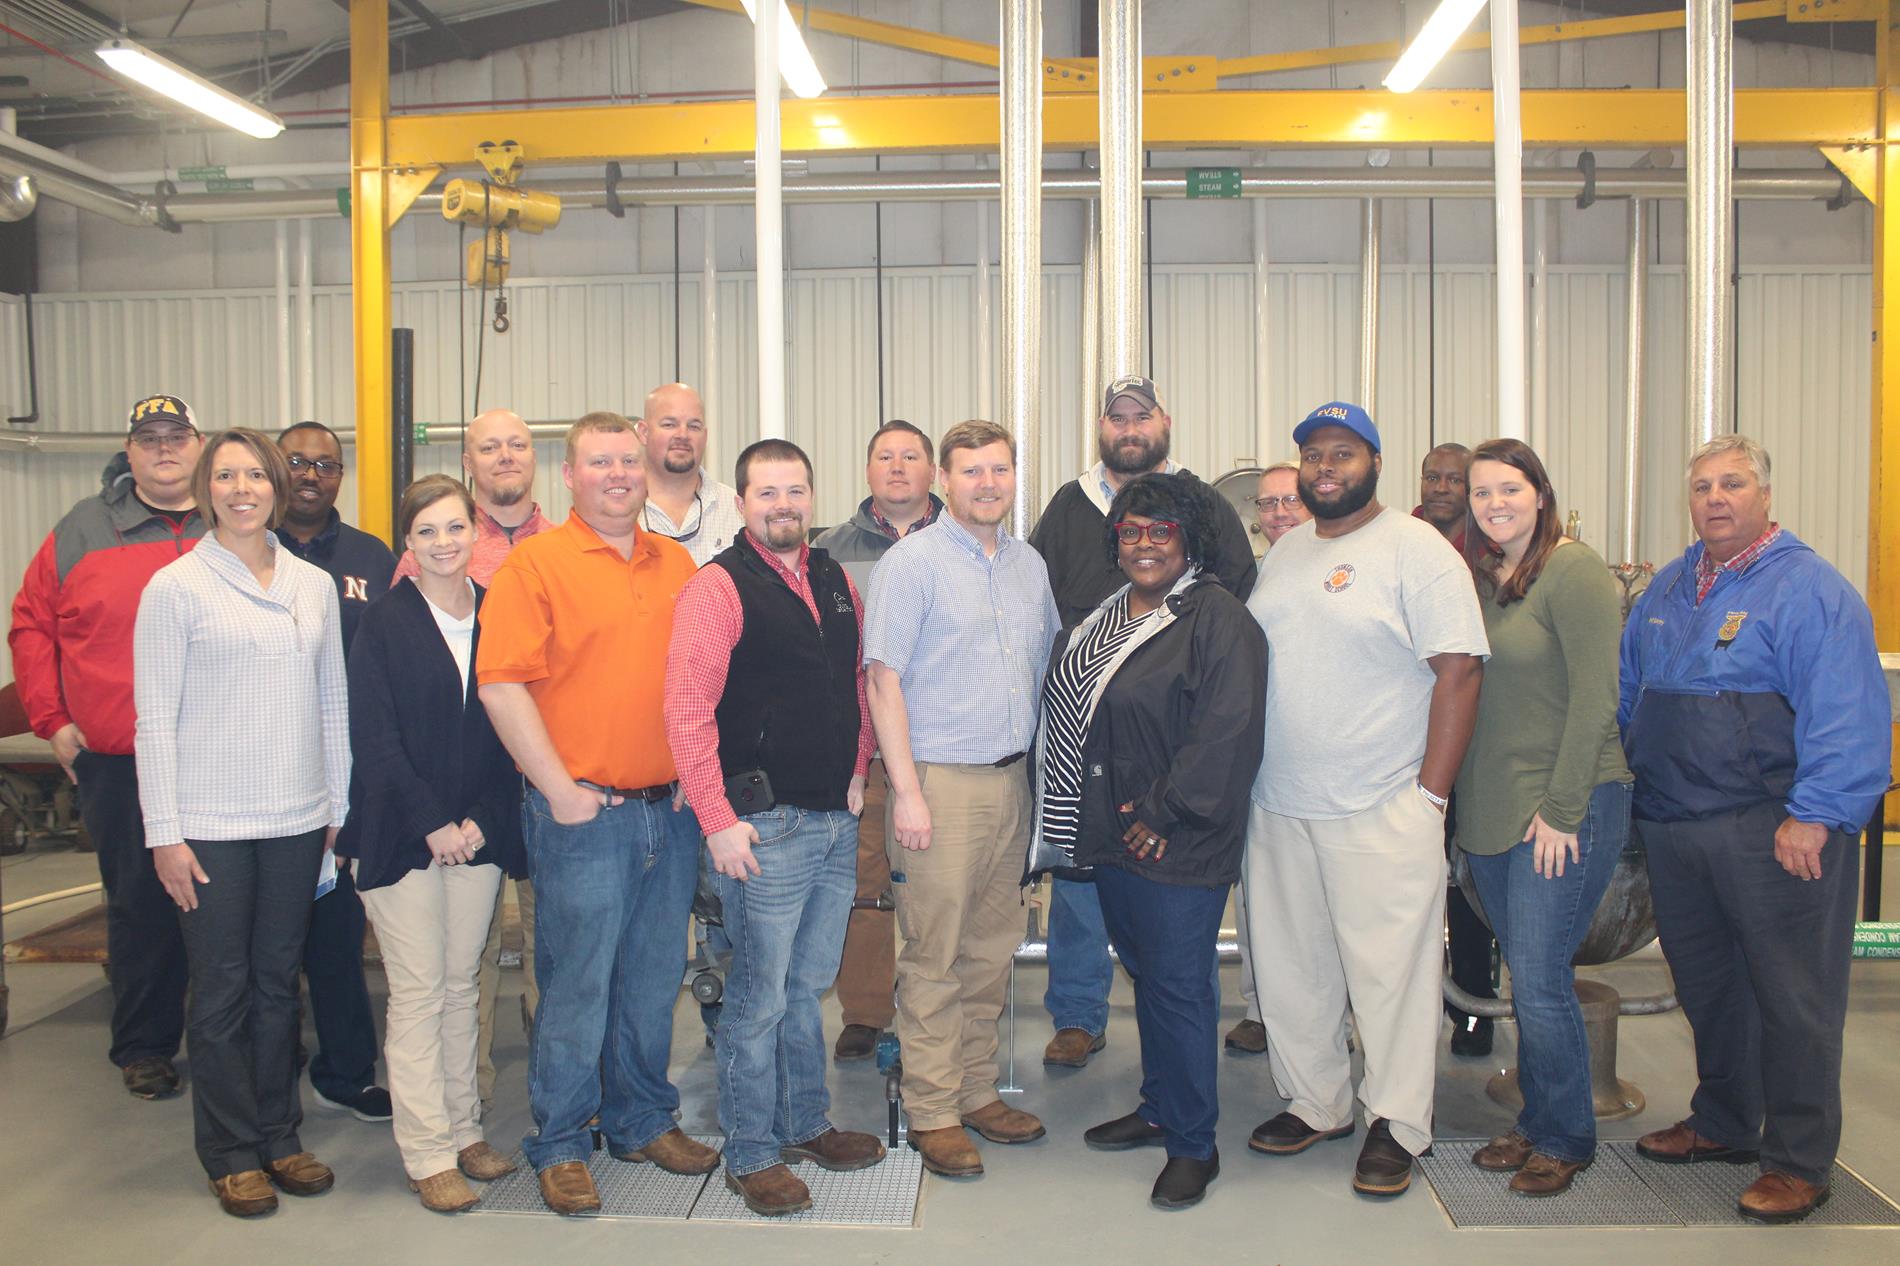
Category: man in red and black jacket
<point>72,656</point>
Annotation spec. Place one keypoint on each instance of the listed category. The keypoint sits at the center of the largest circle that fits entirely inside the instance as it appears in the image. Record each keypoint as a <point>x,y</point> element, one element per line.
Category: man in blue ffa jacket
<point>344,1071</point>
<point>1756,722</point>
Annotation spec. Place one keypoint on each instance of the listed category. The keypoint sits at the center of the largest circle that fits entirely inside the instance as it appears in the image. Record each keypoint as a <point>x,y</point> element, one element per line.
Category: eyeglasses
<point>1289,502</point>
<point>1160,532</point>
<point>154,440</point>
<point>696,522</point>
<point>324,467</point>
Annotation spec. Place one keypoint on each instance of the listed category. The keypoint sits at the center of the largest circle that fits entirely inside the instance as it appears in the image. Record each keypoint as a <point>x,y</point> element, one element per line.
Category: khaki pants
<point>491,983</point>
<point>1350,912</point>
<point>960,917</point>
<point>869,970</point>
<point>430,926</point>
<point>1249,994</point>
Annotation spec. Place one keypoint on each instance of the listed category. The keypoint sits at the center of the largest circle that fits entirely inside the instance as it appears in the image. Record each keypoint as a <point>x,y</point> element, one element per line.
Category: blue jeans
<point>1167,935</point>
<point>1539,923</point>
<point>1080,970</point>
<point>787,928</point>
<point>612,899</point>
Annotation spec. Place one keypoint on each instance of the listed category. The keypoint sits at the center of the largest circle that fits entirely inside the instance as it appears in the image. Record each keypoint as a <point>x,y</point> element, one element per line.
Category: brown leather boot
<point>838,1150</point>
<point>1001,1124</point>
<point>446,1192</point>
<point>1249,1037</point>
<point>483,1162</point>
<point>770,1193</point>
<point>568,1188</point>
<point>1776,1197</point>
<point>857,1041</point>
<point>1544,1175</point>
<point>1071,1048</point>
<point>1504,1154</point>
<point>948,1151</point>
<point>1681,1145</point>
<point>675,1153</point>
<point>248,1194</point>
<point>301,1174</point>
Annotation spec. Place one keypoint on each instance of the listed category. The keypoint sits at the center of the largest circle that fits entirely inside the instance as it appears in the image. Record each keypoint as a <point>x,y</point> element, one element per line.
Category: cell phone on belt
<point>749,792</point>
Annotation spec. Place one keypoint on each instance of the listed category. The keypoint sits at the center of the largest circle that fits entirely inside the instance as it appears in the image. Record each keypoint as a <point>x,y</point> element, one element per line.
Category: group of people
<point>279,729</point>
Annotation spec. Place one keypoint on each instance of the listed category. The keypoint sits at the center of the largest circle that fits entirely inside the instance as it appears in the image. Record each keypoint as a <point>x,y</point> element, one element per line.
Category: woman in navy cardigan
<point>435,819</point>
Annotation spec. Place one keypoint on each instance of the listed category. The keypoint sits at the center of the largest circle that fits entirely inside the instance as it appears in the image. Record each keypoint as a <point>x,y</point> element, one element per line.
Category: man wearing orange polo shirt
<point>571,669</point>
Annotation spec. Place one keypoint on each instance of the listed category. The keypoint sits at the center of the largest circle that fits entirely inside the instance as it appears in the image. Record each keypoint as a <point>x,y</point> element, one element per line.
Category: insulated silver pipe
<point>1635,357</point>
<point>769,224</point>
<point>1268,434</point>
<point>58,182</point>
<point>1092,381</point>
<point>1120,114</point>
<point>1507,149</point>
<point>1369,312</point>
<point>1022,242</point>
<point>1710,41</point>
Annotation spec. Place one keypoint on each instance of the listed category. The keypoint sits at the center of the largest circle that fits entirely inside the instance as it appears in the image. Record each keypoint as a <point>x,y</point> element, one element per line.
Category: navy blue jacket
<point>361,565</point>
<point>1770,690</point>
<point>423,754</point>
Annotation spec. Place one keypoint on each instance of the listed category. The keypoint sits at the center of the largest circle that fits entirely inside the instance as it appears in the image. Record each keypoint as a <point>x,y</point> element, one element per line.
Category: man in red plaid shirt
<point>766,716</point>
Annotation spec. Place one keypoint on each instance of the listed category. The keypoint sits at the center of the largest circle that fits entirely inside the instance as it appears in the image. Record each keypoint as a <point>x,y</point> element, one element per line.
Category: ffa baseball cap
<point>160,409</point>
<point>1142,389</point>
<point>1339,413</point>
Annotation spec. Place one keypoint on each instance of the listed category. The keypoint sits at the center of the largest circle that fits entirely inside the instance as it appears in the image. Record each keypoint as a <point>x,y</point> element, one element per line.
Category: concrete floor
<point>89,1175</point>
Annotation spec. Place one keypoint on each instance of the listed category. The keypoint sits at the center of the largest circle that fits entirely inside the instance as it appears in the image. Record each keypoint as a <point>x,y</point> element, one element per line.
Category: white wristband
<point>1438,802</point>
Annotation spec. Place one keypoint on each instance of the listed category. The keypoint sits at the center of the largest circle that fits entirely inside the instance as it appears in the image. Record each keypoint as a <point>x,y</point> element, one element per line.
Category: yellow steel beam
<point>369,259</point>
<point>1626,118</point>
<point>406,184</point>
<point>933,43</point>
<point>1556,33</point>
<point>1860,164</point>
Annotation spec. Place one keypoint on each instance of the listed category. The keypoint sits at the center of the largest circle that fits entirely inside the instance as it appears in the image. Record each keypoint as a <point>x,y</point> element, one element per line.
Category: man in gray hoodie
<point>899,470</point>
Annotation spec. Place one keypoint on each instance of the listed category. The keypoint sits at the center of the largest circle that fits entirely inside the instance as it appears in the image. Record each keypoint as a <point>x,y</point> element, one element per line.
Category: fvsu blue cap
<point>1339,413</point>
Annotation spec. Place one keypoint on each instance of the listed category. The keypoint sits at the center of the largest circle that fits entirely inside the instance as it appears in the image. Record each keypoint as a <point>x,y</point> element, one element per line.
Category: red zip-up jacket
<point>72,621</point>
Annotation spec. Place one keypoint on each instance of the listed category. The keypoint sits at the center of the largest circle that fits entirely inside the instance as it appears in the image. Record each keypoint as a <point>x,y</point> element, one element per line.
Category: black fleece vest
<point>791,701</point>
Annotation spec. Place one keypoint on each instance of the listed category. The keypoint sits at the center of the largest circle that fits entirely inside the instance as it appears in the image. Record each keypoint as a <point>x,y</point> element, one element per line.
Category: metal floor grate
<point>883,1195</point>
<point>1624,1189</point>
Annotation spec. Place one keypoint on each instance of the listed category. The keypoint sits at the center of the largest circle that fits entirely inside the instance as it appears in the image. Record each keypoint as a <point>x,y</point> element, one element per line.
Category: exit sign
<point>1213,182</point>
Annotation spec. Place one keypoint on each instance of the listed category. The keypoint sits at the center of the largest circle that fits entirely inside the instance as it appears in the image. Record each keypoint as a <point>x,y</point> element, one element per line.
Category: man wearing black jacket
<point>343,1074</point>
<point>1133,435</point>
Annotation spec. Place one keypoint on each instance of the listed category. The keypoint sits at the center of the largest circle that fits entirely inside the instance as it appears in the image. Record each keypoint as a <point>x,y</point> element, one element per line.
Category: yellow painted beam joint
<point>406,184</point>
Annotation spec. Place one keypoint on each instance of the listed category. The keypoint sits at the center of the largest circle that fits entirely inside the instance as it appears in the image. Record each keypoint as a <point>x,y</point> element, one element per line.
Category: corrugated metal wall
<point>578,344</point>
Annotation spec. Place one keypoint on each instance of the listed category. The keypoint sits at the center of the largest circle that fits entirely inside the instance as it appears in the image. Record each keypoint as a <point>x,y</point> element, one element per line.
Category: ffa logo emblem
<point>1340,578</point>
<point>355,589</point>
<point>1731,626</point>
<point>843,603</point>
<point>154,404</point>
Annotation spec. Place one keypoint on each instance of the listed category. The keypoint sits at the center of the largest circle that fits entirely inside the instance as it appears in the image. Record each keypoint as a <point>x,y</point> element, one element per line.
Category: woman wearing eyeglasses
<point>1152,731</point>
<point>1544,794</point>
<point>244,769</point>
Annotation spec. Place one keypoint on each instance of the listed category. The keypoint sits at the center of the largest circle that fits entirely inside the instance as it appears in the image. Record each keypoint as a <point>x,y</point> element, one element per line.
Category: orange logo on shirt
<point>1340,578</point>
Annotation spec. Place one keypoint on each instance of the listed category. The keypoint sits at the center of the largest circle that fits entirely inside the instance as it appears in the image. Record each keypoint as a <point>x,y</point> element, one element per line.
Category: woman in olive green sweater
<point>1544,795</point>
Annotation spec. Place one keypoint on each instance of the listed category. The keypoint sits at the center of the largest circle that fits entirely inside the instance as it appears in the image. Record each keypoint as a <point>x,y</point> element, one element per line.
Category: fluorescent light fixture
<point>794,59</point>
<point>149,70</point>
<point>1433,41</point>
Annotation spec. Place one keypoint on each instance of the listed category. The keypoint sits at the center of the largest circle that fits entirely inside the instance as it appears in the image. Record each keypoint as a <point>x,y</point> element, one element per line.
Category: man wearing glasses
<point>1133,437</point>
<point>1278,507</point>
<point>72,659</point>
<point>683,504</point>
<point>343,1074</point>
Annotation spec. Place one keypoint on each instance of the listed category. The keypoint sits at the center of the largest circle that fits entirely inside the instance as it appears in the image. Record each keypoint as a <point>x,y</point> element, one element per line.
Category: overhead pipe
<point>1507,159</point>
<point>1369,309</point>
<point>1635,358</point>
<point>1119,110</point>
<point>1022,242</point>
<point>1710,42</point>
<point>769,228</point>
<point>88,194</point>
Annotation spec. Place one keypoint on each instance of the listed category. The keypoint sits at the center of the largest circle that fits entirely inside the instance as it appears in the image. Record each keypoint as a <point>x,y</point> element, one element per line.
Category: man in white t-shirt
<point>1376,649</point>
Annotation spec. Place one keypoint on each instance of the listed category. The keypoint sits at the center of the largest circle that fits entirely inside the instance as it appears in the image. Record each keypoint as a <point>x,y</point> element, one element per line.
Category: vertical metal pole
<point>1635,356</point>
<point>709,312</point>
<point>769,224</point>
<point>1022,242</point>
<point>283,324</point>
<point>402,412</point>
<point>1539,379</point>
<point>1507,161</point>
<point>985,334</point>
<point>1120,116</point>
<point>1710,40</point>
<point>306,327</point>
<point>1369,311</point>
<point>1092,380</point>
<point>369,259</point>
<point>1883,501</point>
<point>1269,438</point>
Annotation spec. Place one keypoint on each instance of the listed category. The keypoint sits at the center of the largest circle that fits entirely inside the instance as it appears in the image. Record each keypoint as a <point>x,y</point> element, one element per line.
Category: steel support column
<point>1883,500</point>
<point>369,260</point>
<point>1021,128</point>
<point>1120,113</point>
<point>1635,356</point>
<point>1711,223</point>
<point>1507,160</point>
<point>1369,311</point>
<point>769,224</point>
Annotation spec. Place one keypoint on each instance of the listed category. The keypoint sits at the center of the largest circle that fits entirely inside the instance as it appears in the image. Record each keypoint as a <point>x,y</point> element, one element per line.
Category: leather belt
<point>1007,761</point>
<point>659,791</point>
